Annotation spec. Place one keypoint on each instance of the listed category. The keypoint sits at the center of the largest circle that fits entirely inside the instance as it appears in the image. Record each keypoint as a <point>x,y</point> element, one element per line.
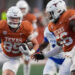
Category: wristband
<point>32,51</point>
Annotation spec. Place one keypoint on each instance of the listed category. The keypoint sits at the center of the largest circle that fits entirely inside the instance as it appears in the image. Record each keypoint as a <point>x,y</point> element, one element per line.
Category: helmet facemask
<point>12,23</point>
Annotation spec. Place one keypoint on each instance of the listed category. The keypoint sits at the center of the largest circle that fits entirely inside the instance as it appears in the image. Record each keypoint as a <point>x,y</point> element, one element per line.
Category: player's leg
<point>26,67</point>
<point>65,67</point>
<point>10,67</point>
<point>72,69</point>
<point>8,72</point>
<point>6,67</point>
<point>3,59</point>
<point>50,68</point>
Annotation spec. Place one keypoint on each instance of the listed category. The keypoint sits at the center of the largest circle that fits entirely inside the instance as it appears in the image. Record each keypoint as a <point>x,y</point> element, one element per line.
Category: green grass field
<point>35,70</point>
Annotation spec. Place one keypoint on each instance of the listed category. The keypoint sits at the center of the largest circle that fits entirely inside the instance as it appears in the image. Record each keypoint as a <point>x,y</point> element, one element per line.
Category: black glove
<point>39,56</point>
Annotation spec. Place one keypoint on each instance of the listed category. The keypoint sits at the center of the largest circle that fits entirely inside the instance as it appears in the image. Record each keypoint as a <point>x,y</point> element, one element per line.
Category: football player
<point>13,34</point>
<point>23,5</point>
<point>62,24</point>
<point>55,62</point>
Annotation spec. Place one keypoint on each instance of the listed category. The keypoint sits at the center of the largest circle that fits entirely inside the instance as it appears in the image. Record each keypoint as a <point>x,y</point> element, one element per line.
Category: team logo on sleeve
<point>4,32</point>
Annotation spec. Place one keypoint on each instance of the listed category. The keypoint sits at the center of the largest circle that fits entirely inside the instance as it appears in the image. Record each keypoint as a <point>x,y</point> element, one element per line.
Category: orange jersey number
<point>64,39</point>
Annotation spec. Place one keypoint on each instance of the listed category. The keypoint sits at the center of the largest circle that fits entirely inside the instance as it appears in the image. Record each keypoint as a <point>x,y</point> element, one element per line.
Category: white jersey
<point>57,60</point>
<point>52,40</point>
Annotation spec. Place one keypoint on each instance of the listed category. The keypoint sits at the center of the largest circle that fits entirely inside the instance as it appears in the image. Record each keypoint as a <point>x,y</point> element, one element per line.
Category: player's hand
<point>24,49</point>
<point>39,56</point>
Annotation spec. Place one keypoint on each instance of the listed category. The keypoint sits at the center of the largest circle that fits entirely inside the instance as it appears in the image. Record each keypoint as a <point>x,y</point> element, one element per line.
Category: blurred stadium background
<point>37,6</point>
<point>40,4</point>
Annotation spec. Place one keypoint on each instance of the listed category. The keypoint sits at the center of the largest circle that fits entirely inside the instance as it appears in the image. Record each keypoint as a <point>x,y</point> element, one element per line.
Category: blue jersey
<point>49,37</point>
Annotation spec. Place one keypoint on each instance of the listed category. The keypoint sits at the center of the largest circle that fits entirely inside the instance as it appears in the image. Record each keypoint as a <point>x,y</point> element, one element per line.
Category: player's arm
<point>35,45</point>
<point>24,48</point>
<point>72,25</point>
<point>44,44</point>
<point>55,51</point>
<point>31,38</point>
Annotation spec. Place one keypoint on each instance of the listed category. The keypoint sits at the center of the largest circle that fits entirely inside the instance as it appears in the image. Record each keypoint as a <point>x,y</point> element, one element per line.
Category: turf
<point>35,70</point>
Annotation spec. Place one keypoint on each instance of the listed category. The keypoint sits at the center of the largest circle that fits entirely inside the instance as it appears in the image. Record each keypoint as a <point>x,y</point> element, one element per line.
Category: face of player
<point>14,21</point>
<point>50,16</point>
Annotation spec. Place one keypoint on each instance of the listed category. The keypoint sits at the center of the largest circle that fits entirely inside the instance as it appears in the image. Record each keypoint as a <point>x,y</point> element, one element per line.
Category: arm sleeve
<point>53,52</point>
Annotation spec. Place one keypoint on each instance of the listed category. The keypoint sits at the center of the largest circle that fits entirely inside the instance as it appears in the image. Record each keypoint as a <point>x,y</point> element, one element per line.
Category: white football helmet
<point>55,8</point>
<point>14,12</point>
<point>23,4</point>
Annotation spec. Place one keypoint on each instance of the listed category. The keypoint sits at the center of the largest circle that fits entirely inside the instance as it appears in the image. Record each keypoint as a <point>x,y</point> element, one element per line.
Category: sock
<point>26,68</point>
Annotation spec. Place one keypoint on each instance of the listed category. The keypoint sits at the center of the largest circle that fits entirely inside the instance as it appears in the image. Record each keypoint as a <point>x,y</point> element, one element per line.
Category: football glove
<point>39,56</point>
<point>24,49</point>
